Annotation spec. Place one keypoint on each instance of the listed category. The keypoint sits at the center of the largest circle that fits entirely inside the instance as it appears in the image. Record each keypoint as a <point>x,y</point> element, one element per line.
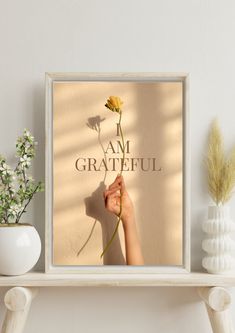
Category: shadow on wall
<point>95,208</point>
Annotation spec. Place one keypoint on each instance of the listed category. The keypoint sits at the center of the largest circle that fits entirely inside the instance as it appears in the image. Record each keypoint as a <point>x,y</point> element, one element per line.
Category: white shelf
<point>39,279</point>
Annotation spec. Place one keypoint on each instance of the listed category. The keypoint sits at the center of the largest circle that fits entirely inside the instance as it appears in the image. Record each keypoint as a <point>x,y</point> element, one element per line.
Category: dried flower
<point>114,103</point>
<point>220,169</point>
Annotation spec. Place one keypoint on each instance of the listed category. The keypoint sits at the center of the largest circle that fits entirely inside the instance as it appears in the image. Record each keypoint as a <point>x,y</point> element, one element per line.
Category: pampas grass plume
<point>220,168</point>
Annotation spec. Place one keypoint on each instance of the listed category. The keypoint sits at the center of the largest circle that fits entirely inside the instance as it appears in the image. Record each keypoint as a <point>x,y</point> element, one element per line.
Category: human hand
<point>114,195</point>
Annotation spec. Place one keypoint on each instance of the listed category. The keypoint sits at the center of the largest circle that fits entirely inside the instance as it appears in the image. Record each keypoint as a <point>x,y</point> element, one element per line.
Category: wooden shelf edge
<point>39,279</point>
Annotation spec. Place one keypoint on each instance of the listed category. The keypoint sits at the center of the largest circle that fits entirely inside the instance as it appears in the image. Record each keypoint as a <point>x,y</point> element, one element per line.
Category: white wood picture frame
<point>135,271</point>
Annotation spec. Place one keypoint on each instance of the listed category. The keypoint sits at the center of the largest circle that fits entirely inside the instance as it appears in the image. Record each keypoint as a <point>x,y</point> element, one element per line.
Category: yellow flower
<point>114,103</point>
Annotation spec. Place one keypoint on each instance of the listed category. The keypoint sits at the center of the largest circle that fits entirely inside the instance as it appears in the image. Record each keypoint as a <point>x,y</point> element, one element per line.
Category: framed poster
<point>117,178</point>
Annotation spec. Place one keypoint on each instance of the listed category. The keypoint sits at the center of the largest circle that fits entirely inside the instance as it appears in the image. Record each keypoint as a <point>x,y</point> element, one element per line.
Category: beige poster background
<point>152,122</point>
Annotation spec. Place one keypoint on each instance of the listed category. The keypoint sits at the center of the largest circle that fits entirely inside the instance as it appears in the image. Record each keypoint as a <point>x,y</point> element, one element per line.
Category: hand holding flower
<point>113,195</point>
<point>114,103</point>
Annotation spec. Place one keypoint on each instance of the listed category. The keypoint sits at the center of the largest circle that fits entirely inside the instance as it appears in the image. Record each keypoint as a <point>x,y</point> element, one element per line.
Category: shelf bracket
<point>217,301</point>
<point>17,301</point>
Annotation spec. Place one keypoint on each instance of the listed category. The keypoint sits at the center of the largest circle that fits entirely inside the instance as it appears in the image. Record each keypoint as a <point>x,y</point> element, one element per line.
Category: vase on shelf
<point>218,244</point>
<point>20,248</point>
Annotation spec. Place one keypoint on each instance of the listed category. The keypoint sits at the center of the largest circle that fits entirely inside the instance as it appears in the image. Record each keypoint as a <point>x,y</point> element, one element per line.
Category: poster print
<point>117,145</point>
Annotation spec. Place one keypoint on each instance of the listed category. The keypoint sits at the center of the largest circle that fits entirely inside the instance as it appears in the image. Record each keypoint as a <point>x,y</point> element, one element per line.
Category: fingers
<point>112,200</point>
<point>115,187</point>
<point>114,190</point>
<point>116,182</point>
<point>119,181</point>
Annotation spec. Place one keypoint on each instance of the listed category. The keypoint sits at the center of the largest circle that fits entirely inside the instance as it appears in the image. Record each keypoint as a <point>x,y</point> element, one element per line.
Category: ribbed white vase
<point>219,245</point>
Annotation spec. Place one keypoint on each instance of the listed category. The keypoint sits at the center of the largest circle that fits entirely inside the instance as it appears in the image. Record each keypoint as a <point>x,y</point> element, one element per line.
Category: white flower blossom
<point>17,188</point>
<point>6,170</point>
<point>25,161</point>
<point>12,190</point>
<point>15,209</point>
<point>26,133</point>
<point>3,167</point>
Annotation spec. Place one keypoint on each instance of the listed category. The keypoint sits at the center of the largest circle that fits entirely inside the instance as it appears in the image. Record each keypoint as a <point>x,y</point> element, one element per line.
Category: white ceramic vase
<point>20,248</point>
<point>219,245</point>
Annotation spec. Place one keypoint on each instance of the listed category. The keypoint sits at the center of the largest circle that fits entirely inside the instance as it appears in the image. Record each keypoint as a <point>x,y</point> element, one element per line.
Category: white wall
<point>195,36</point>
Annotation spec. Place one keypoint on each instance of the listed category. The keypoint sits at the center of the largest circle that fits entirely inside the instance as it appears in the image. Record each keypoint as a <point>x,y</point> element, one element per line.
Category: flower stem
<point>25,206</point>
<point>120,213</point>
<point>113,236</point>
